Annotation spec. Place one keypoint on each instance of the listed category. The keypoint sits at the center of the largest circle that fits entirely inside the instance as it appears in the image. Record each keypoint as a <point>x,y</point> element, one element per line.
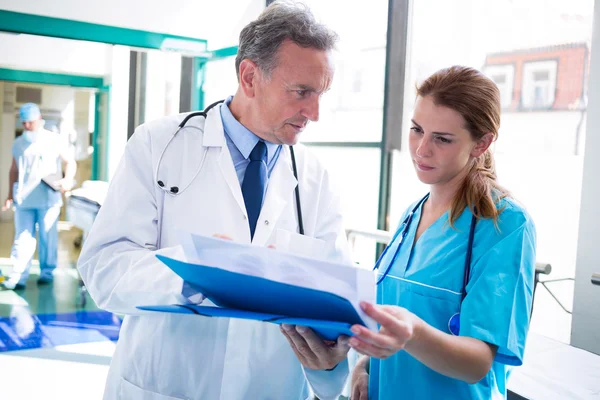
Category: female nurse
<point>455,284</point>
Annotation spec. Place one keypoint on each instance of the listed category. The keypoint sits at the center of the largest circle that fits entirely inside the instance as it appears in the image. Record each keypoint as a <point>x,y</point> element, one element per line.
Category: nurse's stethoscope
<point>175,191</point>
<point>454,322</point>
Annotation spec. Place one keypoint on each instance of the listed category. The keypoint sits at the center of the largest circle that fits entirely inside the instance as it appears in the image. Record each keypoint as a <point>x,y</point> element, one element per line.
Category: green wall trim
<point>105,175</point>
<point>223,53</point>
<point>99,141</point>
<point>40,25</point>
<point>198,75</point>
<point>48,78</point>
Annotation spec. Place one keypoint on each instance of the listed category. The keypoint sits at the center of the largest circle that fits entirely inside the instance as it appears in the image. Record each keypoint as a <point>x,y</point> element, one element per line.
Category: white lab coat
<point>172,356</point>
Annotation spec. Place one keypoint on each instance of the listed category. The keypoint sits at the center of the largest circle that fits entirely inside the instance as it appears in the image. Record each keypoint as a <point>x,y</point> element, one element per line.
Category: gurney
<point>83,205</point>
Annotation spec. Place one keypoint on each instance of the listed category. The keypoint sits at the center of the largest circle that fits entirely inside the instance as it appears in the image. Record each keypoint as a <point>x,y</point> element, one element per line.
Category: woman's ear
<point>482,144</point>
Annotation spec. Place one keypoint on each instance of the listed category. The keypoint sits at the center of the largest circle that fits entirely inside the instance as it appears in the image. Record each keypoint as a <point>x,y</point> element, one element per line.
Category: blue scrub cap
<point>29,112</point>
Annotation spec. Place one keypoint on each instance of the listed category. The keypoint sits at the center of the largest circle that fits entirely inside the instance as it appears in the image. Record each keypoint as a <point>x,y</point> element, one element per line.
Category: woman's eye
<point>416,129</point>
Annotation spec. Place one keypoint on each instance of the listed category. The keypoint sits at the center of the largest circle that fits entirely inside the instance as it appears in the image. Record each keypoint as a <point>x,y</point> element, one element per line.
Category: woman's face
<point>441,148</point>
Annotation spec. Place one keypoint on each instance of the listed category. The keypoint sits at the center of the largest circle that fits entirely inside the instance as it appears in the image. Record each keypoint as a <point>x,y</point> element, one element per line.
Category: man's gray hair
<point>282,20</point>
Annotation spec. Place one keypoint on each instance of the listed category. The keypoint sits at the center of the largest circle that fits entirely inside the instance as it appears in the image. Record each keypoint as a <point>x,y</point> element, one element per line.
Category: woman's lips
<point>423,167</point>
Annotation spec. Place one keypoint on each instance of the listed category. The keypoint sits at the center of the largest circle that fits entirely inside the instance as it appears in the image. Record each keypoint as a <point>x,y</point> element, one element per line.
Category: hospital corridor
<point>55,343</point>
<point>299,200</point>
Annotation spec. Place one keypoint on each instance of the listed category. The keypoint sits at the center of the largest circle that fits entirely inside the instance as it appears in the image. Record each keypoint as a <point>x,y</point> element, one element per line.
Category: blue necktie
<point>255,183</point>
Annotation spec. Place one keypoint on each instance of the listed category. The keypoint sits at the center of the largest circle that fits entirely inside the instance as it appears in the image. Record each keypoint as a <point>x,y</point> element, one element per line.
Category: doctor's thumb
<point>343,343</point>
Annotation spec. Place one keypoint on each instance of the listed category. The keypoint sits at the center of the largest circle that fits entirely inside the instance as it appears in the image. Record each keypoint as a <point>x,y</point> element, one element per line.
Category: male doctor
<point>234,176</point>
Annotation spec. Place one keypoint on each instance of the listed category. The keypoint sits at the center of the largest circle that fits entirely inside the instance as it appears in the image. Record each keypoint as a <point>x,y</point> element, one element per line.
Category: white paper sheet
<point>345,280</point>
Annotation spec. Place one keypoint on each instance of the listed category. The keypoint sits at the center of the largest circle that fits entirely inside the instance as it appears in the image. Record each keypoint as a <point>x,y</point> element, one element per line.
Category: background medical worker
<point>421,351</point>
<point>284,66</point>
<point>37,153</point>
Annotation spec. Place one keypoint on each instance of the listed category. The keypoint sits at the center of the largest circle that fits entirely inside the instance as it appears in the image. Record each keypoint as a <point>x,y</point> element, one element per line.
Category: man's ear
<point>249,75</point>
<point>482,144</point>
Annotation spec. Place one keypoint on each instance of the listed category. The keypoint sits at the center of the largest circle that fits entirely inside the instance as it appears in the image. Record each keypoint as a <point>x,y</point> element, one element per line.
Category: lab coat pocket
<point>129,391</point>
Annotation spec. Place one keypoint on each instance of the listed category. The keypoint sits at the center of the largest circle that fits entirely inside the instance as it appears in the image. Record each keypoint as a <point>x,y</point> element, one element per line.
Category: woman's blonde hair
<point>477,98</point>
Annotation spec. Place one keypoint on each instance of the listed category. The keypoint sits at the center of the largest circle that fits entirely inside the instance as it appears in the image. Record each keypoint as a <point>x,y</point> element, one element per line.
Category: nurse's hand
<point>312,351</point>
<point>7,205</point>
<point>359,384</point>
<point>398,327</point>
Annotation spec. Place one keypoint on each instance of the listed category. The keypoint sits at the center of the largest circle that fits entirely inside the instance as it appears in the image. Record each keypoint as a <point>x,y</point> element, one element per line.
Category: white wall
<point>118,107</point>
<point>585,331</point>
<point>38,53</point>
<point>163,77</point>
<point>217,21</point>
<point>81,124</point>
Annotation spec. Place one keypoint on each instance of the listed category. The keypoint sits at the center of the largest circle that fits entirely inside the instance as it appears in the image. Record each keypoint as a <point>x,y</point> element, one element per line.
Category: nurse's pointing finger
<point>375,338</point>
<point>379,314</point>
<point>393,320</point>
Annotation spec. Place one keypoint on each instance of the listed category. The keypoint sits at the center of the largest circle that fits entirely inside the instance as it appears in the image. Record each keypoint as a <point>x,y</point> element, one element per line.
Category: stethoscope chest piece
<point>454,324</point>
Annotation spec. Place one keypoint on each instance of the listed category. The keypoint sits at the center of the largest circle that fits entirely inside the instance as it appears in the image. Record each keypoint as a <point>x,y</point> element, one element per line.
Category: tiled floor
<point>54,342</point>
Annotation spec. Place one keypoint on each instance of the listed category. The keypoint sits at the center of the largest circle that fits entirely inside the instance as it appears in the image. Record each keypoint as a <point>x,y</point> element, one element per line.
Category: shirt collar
<point>241,136</point>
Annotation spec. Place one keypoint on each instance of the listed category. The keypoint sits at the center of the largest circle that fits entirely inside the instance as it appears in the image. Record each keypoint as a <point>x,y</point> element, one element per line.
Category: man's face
<point>32,125</point>
<point>287,101</point>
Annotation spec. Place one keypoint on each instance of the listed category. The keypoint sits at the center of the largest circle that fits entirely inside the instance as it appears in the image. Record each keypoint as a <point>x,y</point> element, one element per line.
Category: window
<point>351,114</point>
<point>503,76</point>
<point>539,84</point>
<point>29,95</point>
<point>538,153</point>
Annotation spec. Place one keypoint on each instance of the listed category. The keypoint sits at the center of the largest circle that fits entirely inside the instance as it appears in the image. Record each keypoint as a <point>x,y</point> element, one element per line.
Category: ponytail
<point>479,191</point>
<point>477,98</point>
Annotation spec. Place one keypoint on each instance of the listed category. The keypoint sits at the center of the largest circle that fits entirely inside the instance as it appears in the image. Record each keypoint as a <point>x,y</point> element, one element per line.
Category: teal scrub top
<point>36,160</point>
<point>427,278</point>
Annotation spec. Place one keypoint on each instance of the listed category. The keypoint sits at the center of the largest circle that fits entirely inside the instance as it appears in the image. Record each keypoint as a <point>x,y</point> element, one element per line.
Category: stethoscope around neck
<point>454,322</point>
<point>175,190</point>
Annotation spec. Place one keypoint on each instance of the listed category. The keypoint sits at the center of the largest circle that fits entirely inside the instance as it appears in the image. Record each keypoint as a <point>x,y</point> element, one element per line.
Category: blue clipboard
<point>250,297</point>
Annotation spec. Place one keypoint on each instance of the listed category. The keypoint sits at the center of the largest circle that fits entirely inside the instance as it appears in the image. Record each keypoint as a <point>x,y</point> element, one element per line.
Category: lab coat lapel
<point>280,191</point>
<point>214,135</point>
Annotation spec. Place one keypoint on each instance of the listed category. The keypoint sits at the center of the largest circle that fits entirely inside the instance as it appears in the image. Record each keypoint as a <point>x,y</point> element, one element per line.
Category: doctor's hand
<point>398,328</point>
<point>359,383</point>
<point>312,351</point>
<point>7,204</point>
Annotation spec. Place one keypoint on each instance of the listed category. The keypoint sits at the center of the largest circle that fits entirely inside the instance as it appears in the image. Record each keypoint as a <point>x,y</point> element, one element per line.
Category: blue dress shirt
<point>241,141</point>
